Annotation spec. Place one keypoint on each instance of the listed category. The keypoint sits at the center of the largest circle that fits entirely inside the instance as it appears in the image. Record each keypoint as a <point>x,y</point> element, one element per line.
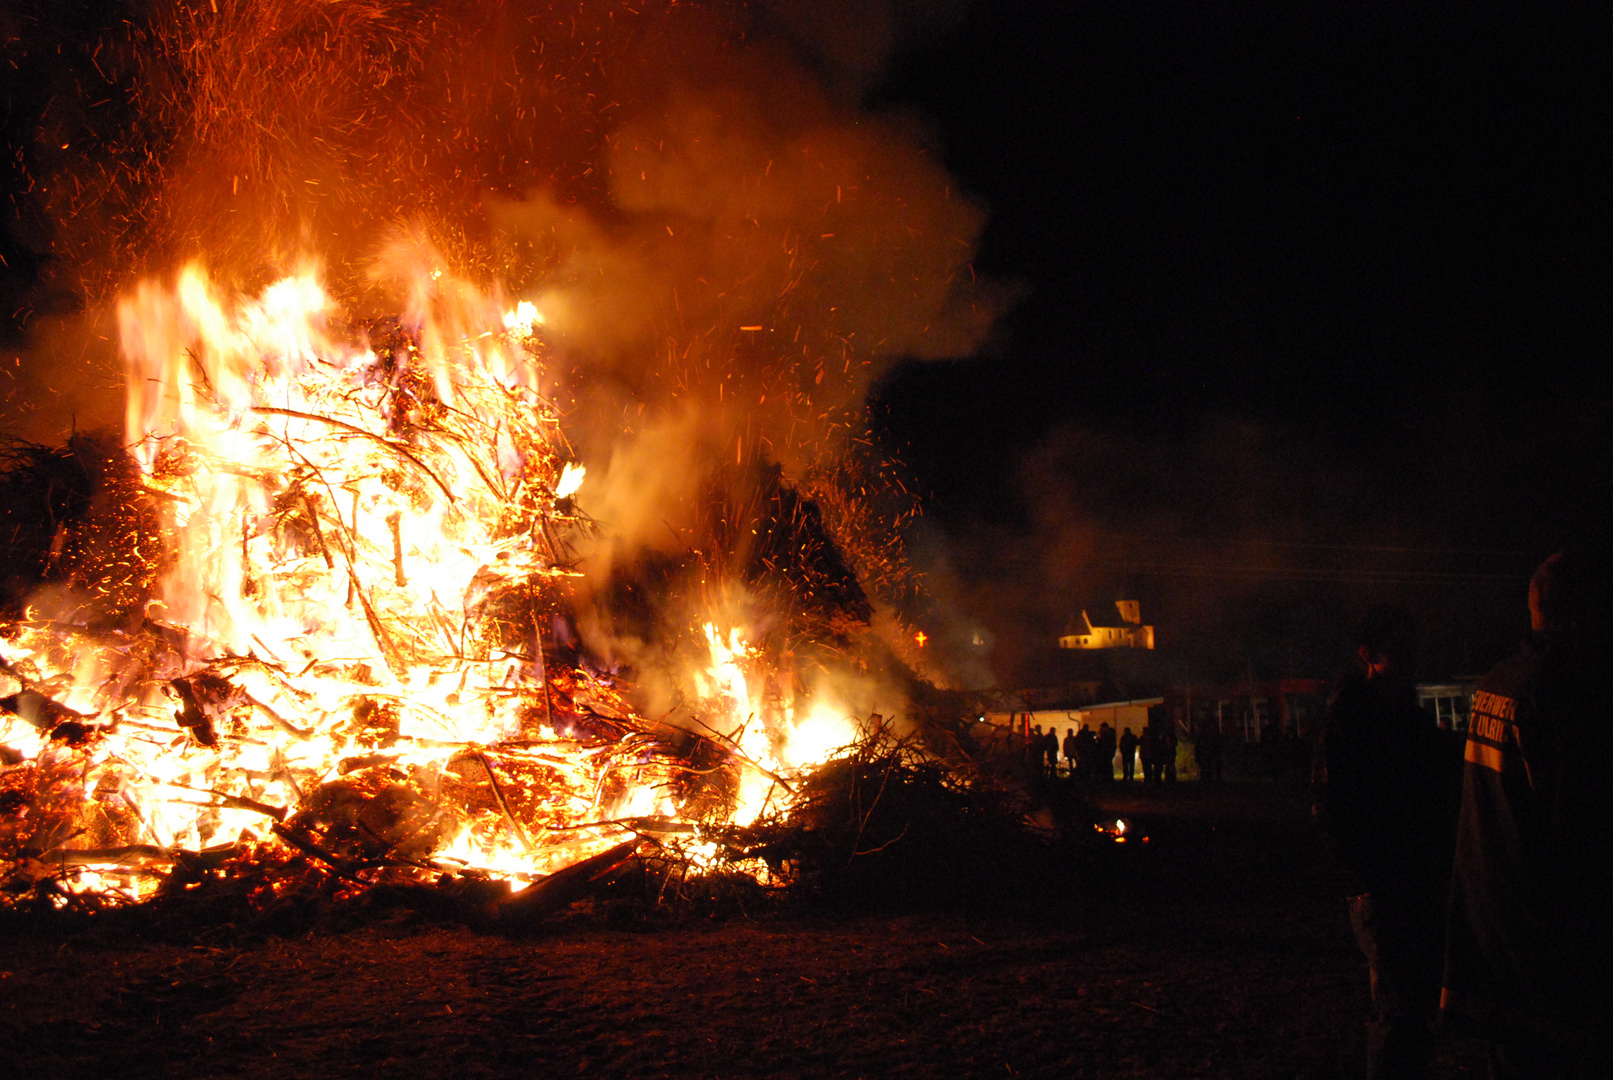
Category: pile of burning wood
<point>311,615</point>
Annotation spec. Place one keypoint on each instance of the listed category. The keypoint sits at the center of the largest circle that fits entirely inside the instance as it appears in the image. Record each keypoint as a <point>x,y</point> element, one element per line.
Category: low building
<point>1258,710</point>
<point>1449,702</point>
<point>1253,711</point>
<point>1119,715</point>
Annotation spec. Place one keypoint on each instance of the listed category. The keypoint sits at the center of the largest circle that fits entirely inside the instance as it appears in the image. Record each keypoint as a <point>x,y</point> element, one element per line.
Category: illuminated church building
<point>1129,633</point>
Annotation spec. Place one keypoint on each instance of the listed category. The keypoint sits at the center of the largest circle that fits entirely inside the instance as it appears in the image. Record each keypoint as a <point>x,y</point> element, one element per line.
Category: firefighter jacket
<point>1528,934</point>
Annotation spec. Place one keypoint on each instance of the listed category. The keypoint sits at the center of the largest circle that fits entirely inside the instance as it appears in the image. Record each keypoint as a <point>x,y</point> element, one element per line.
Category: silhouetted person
<point>1072,749</point>
<point>1086,753</point>
<point>1383,787</point>
<point>1050,752</point>
<point>1105,763</point>
<point>1034,750</point>
<point>1128,754</point>
<point>1530,952</point>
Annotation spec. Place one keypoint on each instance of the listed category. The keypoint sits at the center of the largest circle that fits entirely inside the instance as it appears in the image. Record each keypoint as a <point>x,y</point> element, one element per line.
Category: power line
<point>1358,575</point>
<point>1256,542</point>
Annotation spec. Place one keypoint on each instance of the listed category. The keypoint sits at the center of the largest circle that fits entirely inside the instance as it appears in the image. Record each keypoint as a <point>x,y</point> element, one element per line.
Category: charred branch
<point>563,888</point>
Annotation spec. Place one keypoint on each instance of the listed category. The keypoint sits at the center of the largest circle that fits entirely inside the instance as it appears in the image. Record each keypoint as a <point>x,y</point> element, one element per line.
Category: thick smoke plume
<point>725,245</point>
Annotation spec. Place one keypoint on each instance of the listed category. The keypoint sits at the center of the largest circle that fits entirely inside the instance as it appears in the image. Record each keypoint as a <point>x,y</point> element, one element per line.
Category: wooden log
<point>543,898</point>
<point>42,712</point>
<point>139,855</point>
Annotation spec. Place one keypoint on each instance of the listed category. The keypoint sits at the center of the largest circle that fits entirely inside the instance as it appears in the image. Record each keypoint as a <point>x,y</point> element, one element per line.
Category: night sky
<point>1315,314</point>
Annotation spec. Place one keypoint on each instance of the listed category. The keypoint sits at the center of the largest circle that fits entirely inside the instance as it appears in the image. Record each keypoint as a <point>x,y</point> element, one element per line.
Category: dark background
<point>1316,314</point>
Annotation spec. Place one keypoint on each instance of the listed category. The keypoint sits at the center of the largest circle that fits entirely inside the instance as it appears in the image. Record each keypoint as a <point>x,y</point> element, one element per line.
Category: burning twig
<point>503,804</point>
<point>392,521</point>
<point>239,802</point>
<point>731,747</point>
<point>389,444</point>
<point>319,533</point>
<point>279,721</point>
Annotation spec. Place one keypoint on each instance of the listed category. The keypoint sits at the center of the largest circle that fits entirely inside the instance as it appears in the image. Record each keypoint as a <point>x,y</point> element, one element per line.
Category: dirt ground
<point>1220,949</point>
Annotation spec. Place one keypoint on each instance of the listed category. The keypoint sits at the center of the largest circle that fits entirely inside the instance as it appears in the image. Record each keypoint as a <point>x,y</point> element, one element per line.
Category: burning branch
<point>389,444</point>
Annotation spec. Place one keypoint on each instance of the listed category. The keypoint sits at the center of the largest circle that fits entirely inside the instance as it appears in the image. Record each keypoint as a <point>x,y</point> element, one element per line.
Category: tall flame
<point>366,540</point>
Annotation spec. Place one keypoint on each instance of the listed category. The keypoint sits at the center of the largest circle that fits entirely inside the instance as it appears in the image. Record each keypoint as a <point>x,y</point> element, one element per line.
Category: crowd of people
<point>1090,756</point>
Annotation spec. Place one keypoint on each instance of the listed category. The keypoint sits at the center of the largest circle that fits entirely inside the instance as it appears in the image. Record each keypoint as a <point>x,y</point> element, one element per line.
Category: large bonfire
<point>350,646</point>
<point>333,600</point>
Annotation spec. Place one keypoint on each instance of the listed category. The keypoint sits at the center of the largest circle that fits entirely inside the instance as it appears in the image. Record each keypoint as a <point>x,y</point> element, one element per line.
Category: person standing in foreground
<point>1383,794</point>
<point>1530,945</point>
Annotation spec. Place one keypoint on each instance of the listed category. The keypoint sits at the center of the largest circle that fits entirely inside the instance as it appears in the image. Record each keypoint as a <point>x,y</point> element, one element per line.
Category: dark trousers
<point>1401,938</point>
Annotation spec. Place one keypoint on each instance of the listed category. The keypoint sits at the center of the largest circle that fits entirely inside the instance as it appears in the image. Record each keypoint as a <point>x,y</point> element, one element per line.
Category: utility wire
<point>1299,573</point>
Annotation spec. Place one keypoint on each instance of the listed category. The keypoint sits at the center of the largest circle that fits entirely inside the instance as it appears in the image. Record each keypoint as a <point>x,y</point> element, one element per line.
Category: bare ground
<point>1220,949</point>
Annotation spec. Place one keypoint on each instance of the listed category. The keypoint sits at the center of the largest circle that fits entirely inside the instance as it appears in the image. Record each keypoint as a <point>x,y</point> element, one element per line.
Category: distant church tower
<point>1130,633</point>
